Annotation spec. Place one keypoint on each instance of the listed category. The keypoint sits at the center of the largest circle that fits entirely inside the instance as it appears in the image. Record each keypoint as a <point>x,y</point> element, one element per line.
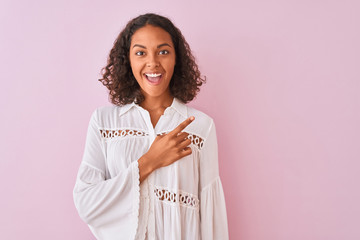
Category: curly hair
<point>119,79</point>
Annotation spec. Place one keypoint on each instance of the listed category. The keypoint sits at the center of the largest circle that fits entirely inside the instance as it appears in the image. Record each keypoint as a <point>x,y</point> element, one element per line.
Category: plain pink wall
<point>283,87</point>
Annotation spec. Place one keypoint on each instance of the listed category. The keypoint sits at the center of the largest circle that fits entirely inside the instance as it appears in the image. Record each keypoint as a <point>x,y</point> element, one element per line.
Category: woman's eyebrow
<point>164,44</point>
<point>138,45</point>
<point>159,46</point>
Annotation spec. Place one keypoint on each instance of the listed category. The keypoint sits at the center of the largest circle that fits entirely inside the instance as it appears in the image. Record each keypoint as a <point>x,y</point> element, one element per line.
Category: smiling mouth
<point>153,78</point>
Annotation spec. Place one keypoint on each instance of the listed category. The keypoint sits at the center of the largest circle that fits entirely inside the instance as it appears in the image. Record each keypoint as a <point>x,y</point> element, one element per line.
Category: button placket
<point>150,179</point>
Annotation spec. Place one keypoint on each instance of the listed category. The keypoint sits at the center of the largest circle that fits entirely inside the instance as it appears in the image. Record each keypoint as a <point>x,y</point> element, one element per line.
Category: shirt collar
<point>126,108</point>
<point>177,105</point>
<point>180,107</point>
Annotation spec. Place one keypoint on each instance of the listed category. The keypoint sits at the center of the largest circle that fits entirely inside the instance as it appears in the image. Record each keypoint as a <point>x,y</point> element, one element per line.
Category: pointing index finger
<point>182,125</point>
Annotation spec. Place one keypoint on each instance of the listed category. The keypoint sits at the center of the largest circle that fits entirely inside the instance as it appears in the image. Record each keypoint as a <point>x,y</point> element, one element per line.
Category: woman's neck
<point>156,104</point>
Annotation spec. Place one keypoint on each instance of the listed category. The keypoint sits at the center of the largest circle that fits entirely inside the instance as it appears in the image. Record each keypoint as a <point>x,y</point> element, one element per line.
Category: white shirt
<point>184,200</point>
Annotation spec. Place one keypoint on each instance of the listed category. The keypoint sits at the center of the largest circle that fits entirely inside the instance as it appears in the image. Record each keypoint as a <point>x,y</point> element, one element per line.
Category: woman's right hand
<point>166,149</point>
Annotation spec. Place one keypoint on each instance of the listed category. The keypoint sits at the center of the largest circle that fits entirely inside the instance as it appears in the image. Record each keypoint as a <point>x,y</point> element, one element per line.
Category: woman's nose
<point>152,62</point>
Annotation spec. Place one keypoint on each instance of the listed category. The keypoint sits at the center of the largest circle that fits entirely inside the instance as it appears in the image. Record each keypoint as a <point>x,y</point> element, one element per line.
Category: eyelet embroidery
<point>183,198</point>
<point>109,134</point>
<point>121,133</point>
<point>195,140</point>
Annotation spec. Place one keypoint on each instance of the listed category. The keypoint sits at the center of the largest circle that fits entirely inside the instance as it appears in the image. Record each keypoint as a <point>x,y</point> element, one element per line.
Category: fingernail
<point>192,118</point>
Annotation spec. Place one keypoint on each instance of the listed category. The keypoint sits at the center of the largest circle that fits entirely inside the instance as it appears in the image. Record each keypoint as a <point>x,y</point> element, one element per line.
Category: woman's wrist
<point>145,167</point>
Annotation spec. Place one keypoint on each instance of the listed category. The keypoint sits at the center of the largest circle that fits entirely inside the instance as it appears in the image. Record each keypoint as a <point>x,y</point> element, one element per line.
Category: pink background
<point>283,88</point>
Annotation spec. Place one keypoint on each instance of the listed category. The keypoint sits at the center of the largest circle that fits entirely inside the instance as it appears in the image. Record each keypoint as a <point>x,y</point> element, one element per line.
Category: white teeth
<point>153,74</point>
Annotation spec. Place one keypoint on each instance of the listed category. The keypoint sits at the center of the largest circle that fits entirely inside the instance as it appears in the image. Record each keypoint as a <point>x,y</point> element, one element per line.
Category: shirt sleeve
<point>104,203</point>
<point>212,200</point>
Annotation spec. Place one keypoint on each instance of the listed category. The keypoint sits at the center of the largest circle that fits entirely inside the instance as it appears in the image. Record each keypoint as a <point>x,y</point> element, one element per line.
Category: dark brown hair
<point>119,79</point>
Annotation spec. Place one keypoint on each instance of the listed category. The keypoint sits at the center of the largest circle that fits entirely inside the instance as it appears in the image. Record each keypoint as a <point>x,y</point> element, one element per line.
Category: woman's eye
<point>140,53</point>
<point>164,52</point>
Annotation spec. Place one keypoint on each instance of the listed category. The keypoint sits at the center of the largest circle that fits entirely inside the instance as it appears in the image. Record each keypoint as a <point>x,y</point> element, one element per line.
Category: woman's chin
<point>155,93</point>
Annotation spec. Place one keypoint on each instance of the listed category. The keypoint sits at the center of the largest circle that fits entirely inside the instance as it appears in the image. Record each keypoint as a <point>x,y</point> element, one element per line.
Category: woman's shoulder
<point>202,117</point>
<point>202,123</point>
<point>108,113</point>
<point>107,109</point>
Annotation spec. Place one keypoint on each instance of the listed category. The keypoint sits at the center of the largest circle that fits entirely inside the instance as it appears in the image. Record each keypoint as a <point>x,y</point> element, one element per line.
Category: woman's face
<point>152,60</point>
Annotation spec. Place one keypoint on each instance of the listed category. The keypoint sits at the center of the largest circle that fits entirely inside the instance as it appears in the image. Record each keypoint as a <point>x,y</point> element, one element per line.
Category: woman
<point>150,164</point>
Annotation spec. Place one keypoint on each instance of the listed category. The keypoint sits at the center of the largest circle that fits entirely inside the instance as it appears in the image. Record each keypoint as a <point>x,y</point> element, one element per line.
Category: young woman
<point>150,164</point>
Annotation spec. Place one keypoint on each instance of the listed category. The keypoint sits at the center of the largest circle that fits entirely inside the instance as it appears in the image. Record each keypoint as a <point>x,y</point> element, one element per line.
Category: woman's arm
<point>212,201</point>
<point>165,150</point>
<point>103,203</point>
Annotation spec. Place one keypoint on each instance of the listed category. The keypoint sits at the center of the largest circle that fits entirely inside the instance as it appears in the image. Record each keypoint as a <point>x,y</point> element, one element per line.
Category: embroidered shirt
<point>184,200</point>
